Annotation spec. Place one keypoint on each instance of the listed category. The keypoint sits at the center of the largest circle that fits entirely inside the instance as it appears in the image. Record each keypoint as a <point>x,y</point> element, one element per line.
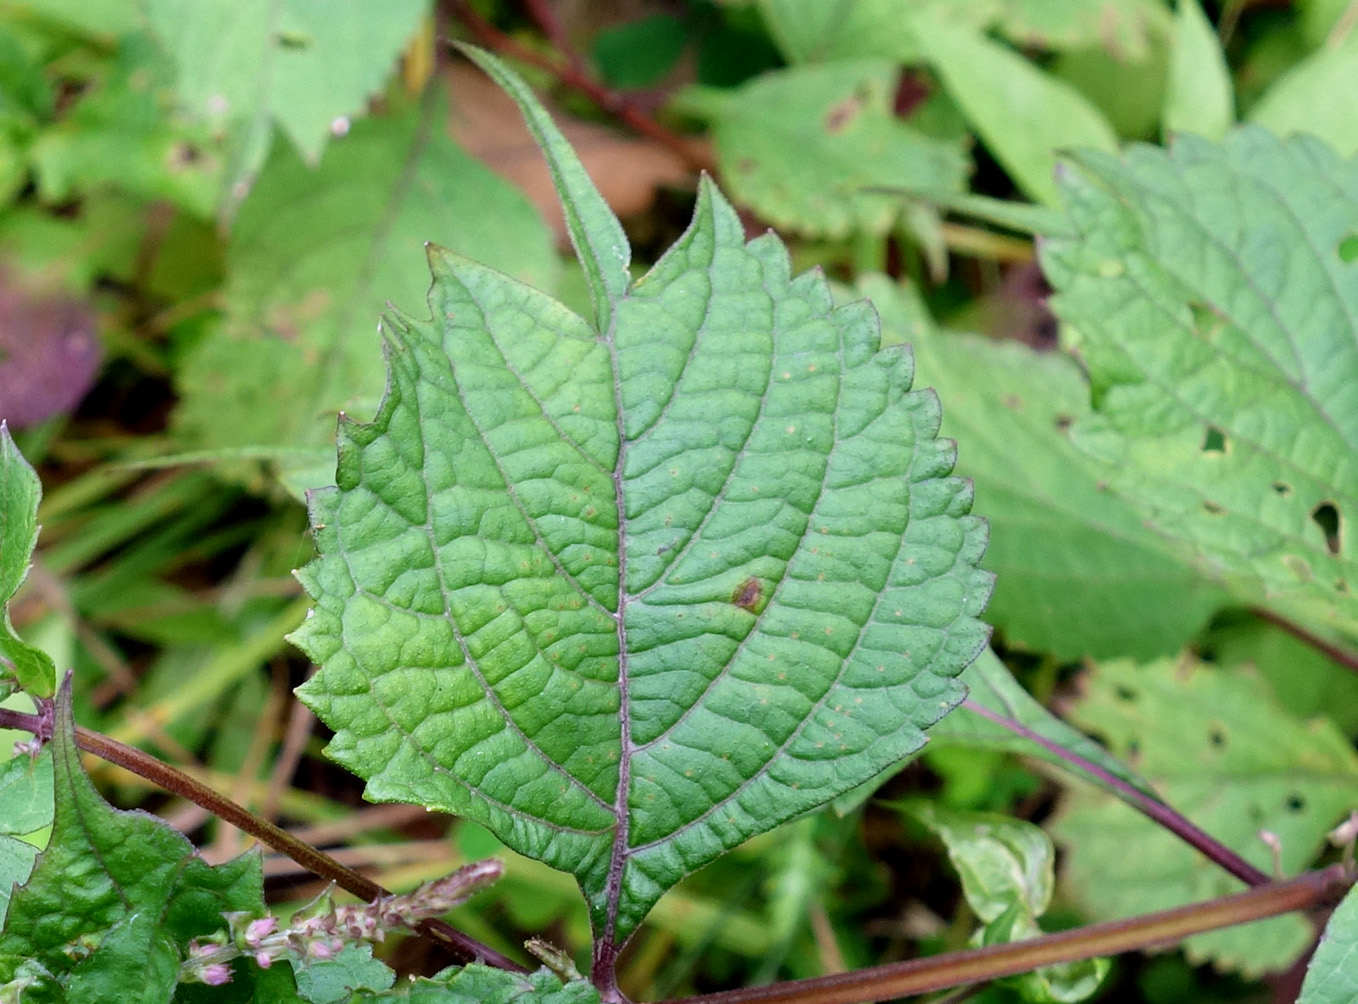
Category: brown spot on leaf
<point>842,113</point>
<point>748,594</point>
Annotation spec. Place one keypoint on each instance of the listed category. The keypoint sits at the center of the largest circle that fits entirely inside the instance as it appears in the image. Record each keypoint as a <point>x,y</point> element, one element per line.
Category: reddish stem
<point>463,946</point>
<point>573,74</point>
<point>1331,651</point>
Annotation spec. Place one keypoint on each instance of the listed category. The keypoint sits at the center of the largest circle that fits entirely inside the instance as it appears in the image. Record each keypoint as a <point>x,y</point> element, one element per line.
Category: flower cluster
<point>321,929</point>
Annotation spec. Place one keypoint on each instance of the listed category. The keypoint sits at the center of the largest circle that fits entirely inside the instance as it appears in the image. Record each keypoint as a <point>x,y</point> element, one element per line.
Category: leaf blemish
<point>748,594</point>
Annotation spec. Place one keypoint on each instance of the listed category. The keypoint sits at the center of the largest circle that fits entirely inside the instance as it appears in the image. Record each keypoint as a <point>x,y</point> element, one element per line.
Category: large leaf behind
<point>1213,293</point>
<point>1218,747</point>
<point>632,595</point>
<point>315,255</point>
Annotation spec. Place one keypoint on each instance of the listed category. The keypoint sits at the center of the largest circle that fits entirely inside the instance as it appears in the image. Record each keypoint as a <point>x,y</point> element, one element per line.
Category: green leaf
<point>1023,115</point>
<point>1200,98</point>
<point>1007,867</point>
<point>21,666</point>
<point>631,596</point>
<point>245,64</point>
<point>1319,96</point>
<point>478,984</point>
<point>25,811</point>
<point>335,981</point>
<point>115,897</point>
<point>1220,749</point>
<point>314,258</point>
<point>1077,571</point>
<point>1332,973</point>
<point>1211,292</point>
<point>640,53</point>
<point>118,136</point>
<point>992,688</point>
<point>799,146</point>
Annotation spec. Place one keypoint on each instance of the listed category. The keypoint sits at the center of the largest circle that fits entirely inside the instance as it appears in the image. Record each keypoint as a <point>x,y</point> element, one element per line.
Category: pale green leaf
<point>1212,294</point>
<point>25,811</point>
<point>1023,115</point>
<point>315,255</point>
<point>245,64</point>
<point>1319,95</point>
<point>849,29</point>
<point>1077,571</point>
<point>1220,749</point>
<point>1200,98</point>
<point>800,146</point>
<point>337,980</point>
<point>1332,973</point>
<point>629,597</point>
<point>1007,867</point>
<point>21,665</point>
<point>478,984</point>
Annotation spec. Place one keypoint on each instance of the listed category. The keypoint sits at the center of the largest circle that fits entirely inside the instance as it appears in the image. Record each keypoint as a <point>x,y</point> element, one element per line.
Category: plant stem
<point>1155,809</point>
<point>952,969</point>
<point>573,74</point>
<point>463,946</point>
<point>1331,651</point>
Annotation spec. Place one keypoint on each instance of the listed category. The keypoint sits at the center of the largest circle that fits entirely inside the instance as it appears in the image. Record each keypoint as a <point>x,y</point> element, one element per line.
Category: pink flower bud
<point>216,975</point>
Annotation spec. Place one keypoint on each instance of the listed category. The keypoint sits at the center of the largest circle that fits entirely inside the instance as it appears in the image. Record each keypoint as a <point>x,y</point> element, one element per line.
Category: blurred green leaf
<point>1209,296</point>
<point>118,136</point>
<point>799,146</point>
<point>305,64</point>
<point>25,810</point>
<point>1023,115</point>
<point>1318,95</point>
<point>640,53</point>
<point>1219,748</point>
<point>21,665</point>
<point>314,257</point>
<point>1332,973</point>
<point>1200,98</point>
<point>1077,571</point>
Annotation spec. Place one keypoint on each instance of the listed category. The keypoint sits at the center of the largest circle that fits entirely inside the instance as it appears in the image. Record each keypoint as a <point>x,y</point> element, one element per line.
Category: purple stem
<point>1152,807</point>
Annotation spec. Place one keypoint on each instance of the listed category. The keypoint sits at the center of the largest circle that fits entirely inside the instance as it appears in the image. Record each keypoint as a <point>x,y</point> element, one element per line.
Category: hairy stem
<point>953,969</point>
<point>1153,808</point>
<point>463,946</point>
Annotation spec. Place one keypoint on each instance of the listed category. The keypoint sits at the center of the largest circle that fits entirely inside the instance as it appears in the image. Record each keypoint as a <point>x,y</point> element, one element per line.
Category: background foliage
<point>207,206</point>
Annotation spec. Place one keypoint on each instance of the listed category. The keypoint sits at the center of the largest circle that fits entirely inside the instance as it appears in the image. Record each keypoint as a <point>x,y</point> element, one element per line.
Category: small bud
<point>216,975</point>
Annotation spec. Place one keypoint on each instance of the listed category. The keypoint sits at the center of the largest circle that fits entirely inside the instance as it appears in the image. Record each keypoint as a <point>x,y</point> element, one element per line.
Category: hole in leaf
<point>1206,321</point>
<point>1295,803</point>
<point>1212,508</point>
<point>1064,422</point>
<point>1214,441</point>
<point>1125,693</point>
<point>1217,738</point>
<point>1348,249</point>
<point>1326,516</point>
<point>1282,488</point>
<point>1340,586</point>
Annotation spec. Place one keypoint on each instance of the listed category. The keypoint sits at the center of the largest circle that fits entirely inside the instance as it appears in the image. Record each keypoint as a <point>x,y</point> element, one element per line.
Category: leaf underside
<point>1212,291</point>
<point>629,594</point>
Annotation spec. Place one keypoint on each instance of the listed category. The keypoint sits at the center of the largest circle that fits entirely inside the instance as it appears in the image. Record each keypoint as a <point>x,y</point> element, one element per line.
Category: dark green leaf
<point>115,897</point>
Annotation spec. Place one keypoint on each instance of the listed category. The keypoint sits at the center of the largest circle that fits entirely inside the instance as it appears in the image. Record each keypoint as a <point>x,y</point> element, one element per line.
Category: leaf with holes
<point>1212,292</point>
<point>1217,746</point>
<point>630,590</point>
